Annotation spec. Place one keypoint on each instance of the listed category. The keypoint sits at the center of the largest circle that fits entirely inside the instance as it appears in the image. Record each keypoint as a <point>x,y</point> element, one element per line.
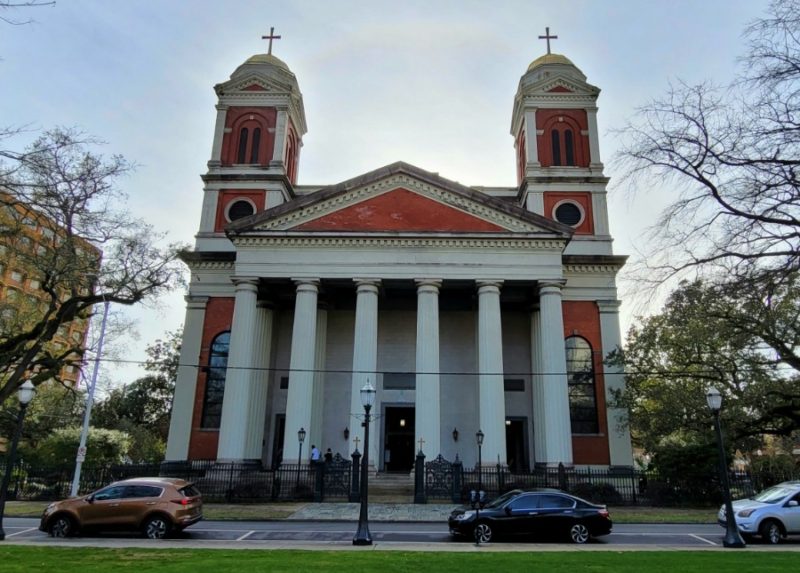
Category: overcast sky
<point>430,83</point>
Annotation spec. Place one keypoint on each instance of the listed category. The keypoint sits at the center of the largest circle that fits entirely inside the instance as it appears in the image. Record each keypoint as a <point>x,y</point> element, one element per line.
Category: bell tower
<point>554,125</point>
<point>256,146</point>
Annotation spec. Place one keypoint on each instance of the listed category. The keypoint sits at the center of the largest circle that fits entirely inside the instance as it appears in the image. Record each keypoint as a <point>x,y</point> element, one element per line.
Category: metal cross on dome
<point>546,36</point>
<point>271,37</point>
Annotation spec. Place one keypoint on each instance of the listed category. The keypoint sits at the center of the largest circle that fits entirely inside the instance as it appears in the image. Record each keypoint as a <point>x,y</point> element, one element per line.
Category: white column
<point>491,395</point>
<point>531,139</point>
<point>619,437</point>
<point>558,439</point>
<point>301,364</point>
<point>240,374</point>
<point>208,215</point>
<point>537,382</point>
<point>600,211</point>
<point>180,423</point>
<point>257,402</point>
<point>594,139</point>
<point>281,130</point>
<point>428,413</point>
<point>365,358</point>
<point>219,134</point>
<point>318,410</point>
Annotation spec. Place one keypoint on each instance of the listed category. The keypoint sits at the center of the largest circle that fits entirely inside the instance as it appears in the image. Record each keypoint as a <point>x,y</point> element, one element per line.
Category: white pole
<point>76,480</point>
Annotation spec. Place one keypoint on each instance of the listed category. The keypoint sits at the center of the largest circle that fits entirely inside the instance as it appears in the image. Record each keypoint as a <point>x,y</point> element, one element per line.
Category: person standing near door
<point>314,454</point>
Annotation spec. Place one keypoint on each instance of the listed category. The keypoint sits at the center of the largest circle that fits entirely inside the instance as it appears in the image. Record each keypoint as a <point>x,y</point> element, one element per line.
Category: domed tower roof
<point>555,63</point>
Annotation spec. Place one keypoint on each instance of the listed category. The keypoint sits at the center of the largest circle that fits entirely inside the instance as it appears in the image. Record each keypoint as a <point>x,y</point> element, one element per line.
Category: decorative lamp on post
<point>363,536</point>
<point>455,434</point>
<point>25,395</point>
<point>301,436</point>
<point>479,495</point>
<point>732,537</point>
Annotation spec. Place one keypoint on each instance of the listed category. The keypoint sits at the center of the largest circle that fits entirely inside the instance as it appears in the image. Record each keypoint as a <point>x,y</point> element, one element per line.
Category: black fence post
<point>355,490</point>
<point>419,479</point>
<point>458,469</point>
<point>229,491</point>
<point>319,481</point>
<point>562,477</point>
<point>500,479</point>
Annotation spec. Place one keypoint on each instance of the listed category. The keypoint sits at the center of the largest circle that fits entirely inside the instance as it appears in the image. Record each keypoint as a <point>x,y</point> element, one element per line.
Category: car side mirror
<point>792,503</point>
<point>508,510</point>
<point>90,498</point>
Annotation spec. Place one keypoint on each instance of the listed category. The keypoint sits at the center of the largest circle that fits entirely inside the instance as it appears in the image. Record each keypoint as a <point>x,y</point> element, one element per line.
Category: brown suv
<point>154,506</point>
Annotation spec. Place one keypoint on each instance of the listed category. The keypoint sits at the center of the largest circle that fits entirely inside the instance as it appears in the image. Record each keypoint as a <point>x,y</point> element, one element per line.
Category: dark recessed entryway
<point>398,443</point>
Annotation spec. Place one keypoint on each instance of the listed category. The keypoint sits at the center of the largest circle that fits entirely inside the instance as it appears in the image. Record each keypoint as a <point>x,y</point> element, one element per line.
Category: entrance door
<point>398,445</point>
<point>277,440</point>
<point>516,448</point>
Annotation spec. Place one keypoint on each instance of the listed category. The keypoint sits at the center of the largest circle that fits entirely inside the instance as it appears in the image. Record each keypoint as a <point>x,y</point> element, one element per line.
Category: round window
<point>569,213</point>
<point>240,209</point>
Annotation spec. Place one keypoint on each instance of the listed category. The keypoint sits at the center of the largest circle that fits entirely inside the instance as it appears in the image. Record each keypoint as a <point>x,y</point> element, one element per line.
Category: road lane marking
<point>245,536</point>
<point>23,531</point>
<point>703,539</point>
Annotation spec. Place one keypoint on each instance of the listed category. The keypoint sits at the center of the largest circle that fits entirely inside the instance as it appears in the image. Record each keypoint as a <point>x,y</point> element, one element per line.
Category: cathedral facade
<point>467,308</point>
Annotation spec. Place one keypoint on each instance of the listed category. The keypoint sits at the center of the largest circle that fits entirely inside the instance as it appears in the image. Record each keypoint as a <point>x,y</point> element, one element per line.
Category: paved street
<point>336,534</point>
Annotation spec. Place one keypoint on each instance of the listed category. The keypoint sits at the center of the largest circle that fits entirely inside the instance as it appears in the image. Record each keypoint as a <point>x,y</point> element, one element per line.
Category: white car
<point>773,514</point>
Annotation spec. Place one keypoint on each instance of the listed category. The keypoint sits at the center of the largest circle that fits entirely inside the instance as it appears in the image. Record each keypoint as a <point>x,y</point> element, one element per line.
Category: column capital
<point>195,302</point>
<point>222,107</point>
<point>245,283</point>
<point>551,286</point>
<point>306,285</point>
<point>428,285</point>
<point>609,306</point>
<point>367,285</point>
<point>489,286</point>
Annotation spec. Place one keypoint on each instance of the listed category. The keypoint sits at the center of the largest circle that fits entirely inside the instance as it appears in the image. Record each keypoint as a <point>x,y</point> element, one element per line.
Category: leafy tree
<point>103,447</point>
<point>143,403</point>
<point>721,336</point>
<point>54,407</point>
<point>731,154</point>
<point>88,250</point>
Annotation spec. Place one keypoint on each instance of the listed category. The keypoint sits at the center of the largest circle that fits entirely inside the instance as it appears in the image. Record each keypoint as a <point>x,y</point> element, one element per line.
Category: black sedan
<point>536,512</point>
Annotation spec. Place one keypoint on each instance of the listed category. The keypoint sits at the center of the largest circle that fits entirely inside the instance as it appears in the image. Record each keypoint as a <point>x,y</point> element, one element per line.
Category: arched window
<point>215,380</point>
<point>254,146</point>
<point>569,148</point>
<point>556,144</point>
<point>242,155</point>
<point>580,376</point>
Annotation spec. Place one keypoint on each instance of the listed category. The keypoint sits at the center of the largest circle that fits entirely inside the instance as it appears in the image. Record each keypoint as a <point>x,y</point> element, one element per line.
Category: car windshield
<point>499,501</point>
<point>773,494</point>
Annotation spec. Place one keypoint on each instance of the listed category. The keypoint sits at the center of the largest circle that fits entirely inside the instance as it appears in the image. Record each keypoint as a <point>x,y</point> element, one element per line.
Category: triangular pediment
<point>399,198</point>
<point>557,83</point>
<point>253,82</point>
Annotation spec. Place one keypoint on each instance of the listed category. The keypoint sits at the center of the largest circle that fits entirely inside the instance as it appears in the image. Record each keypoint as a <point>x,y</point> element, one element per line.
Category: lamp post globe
<point>732,537</point>
<point>25,394</point>
<point>363,536</point>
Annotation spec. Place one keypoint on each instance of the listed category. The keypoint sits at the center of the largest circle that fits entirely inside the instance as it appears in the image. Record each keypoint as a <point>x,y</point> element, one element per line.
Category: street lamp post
<point>301,436</point>
<point>363,536</point>
<point>479,438</point>
<point>732,537</point>
<point>25,395</point>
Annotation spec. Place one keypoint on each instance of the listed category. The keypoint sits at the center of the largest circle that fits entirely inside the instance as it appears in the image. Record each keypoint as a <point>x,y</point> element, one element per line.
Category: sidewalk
<point>377,512</point>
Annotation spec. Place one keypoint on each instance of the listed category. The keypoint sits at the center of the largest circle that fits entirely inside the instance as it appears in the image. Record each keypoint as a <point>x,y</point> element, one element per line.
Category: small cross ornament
<point>546,36</point>
<point>272,36</point>
<point>356,441</point>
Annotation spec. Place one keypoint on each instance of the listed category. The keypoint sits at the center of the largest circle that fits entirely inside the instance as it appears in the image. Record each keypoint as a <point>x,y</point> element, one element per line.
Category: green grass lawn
<point>18,559</point>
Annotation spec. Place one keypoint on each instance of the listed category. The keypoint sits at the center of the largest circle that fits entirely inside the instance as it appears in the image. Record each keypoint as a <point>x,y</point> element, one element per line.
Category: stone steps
<point>391,488</point>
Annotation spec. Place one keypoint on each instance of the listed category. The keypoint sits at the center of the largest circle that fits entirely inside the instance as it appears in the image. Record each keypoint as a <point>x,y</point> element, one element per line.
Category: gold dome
<point>550,59</point>
<point>267,59</point>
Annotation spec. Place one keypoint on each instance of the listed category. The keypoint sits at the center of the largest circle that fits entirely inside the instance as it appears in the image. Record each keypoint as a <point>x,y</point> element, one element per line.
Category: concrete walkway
<point>377,512</point>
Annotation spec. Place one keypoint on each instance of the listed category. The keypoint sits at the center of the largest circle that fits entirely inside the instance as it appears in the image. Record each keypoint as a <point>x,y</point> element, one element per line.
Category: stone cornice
<point>500,241</point>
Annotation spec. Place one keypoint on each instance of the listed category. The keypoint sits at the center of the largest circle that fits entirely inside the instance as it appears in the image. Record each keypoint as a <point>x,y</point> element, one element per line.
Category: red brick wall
<point>227,196</point>
<point>582,318</point>
<point>219,316</point>
<point>250,117</point>
<point>583,199</point>
<point>575,119</point>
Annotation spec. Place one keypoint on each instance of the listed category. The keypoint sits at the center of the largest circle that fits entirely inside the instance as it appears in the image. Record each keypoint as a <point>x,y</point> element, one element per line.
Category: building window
<point>215,381</point>
<point>399,381</point>
<point>243,134</point>
<point>239,209</point>
<point>555,141</point>
<point>580,376</point>
<point>569,213</point>
<point>255,144</point>
<point>514,385</point>
<point>569,148</point>
<point>284,383</point>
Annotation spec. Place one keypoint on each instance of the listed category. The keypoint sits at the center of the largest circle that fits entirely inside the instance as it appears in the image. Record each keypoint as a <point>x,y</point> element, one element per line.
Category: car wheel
<point>483,533</point>
<point>157,527</point>
<point>62,526</point>
<point>579,533</point>
<point>771,532</point>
